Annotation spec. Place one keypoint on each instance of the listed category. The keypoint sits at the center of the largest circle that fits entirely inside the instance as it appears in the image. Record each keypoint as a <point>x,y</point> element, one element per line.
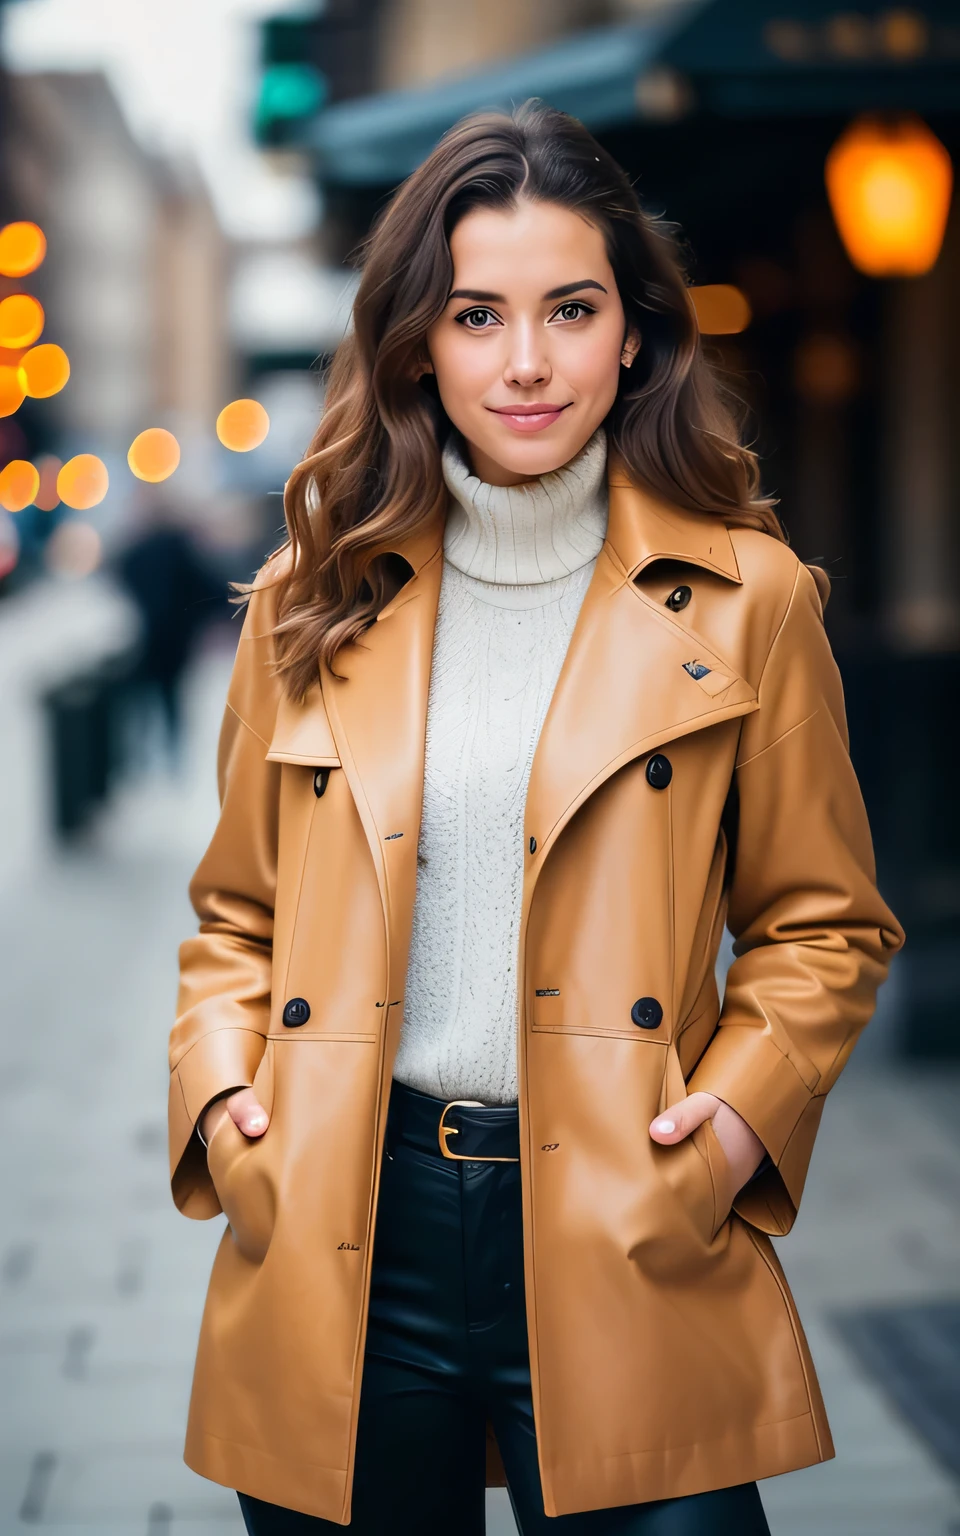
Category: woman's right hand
<point>244,1109</point>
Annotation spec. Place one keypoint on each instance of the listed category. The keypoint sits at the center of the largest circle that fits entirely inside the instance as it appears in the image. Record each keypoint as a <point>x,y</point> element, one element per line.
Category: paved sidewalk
<point>102,1282</point>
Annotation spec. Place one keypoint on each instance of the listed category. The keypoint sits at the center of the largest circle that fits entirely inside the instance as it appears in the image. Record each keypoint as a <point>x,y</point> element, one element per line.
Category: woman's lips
<point>528,418</point>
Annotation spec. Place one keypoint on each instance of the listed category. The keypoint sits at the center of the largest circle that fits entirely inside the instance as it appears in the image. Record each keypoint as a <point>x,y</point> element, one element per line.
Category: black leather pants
<point>446,1350</point>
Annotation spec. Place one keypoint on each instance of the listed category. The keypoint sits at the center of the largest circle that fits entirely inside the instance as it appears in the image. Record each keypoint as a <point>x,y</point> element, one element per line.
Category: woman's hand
<point>244,1109</point>
<point>742,1148</point>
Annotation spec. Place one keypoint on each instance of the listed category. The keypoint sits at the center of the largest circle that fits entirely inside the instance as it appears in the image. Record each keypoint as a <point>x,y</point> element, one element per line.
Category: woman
<point>534,699</point>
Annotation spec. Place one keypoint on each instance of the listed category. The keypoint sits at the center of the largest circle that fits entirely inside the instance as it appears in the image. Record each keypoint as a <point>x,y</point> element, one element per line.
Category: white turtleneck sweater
<point>517,562</point>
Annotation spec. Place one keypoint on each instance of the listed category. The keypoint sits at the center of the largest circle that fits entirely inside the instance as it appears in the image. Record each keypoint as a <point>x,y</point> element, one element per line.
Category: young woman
<point>534,699</point>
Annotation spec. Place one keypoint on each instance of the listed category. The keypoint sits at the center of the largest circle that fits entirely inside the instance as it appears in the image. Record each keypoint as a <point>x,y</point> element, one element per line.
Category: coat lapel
<point>377,711</point>
<point>634,677</point>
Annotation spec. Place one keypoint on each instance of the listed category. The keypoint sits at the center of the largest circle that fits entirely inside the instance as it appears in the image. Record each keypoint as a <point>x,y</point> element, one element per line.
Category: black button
<point>320,779</point>
<point>679,598</point>
<point>296,1012</point>
<point>533,845</point>
<point>647,1012</point>
<point>659,771</point>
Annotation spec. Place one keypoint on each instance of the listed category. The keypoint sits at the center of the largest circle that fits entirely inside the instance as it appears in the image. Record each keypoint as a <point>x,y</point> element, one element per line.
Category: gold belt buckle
<point>443,1131</point>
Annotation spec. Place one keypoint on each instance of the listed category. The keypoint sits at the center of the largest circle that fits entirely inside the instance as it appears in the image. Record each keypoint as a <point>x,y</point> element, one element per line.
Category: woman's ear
<point>630,348</point>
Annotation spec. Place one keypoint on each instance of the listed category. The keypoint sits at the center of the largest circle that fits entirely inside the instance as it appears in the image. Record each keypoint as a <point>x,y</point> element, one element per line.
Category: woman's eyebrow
<point>481,296</point>
<point>478,294</point>
<point>568,288</point>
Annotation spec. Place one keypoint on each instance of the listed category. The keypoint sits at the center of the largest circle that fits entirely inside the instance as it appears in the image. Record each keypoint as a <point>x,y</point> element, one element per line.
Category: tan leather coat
<point>666,1353</point>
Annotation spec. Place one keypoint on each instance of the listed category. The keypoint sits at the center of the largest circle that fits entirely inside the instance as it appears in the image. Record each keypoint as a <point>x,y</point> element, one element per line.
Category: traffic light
<point>292,87</point>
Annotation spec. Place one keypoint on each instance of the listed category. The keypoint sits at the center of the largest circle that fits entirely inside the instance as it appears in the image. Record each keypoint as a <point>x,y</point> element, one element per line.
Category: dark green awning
<point>378,140</point>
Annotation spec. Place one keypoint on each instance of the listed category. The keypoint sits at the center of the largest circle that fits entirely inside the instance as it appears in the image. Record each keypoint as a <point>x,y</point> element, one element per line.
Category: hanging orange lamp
<point>889,184</point>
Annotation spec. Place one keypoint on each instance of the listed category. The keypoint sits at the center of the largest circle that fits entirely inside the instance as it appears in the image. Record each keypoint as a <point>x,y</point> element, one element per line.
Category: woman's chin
<point>527,456</point>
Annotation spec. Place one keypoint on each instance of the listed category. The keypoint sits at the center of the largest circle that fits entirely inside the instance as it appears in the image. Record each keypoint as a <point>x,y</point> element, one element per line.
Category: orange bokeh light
<point>83,481</point>
<point>154,455</point>
<point>889,186</point>
<point>721,309</point>
<point>19,484</point>
<point>242,425</point>
<point>11,391</point>
<point>22,248</point>
<point>21,320</point>
<point>44,370</point>
<point>48,497</point>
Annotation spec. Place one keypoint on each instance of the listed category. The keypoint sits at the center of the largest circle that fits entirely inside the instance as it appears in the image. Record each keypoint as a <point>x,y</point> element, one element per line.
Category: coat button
<point>659,771</point>
<point>320,781</point>
<point>533,845</point>
<point>679,598</point>
<point>296,1012</point>
<point>647,1012</point>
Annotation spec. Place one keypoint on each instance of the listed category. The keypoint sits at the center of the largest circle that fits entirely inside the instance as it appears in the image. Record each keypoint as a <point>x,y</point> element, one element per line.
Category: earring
<point>626,358</point>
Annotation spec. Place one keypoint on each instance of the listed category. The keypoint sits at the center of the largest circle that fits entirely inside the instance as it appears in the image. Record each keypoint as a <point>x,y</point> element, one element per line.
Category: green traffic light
<point>288,92</point>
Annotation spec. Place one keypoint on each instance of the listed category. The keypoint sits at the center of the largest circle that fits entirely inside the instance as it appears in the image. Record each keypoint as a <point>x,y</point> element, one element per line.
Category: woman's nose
<point>527,363</point>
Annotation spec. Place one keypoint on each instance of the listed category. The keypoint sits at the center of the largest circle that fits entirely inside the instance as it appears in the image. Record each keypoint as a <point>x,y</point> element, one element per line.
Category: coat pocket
<point>240,1168</point>
<point>721,1176</point>
<point>682,1219</point>
<point>703,1182</point>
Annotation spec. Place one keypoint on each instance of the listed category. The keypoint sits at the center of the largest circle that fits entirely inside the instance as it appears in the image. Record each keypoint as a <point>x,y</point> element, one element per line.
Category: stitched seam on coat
<point>720,1440</point>
<point>791,1319</point>
<point>725,1022</point>
<point>773,643</point>
<point>237,716</point>
<point>303,874</point>
<point>243,1445</point>
<point>240,1029</point>
<point>783,620</point>
<point>776,742</point>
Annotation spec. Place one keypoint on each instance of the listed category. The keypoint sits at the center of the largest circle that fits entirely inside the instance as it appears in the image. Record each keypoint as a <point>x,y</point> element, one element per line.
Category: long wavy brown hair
<point>372,474</point>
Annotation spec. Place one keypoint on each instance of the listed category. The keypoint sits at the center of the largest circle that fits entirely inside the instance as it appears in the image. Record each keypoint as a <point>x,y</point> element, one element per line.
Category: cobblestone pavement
<point>102,1282</point>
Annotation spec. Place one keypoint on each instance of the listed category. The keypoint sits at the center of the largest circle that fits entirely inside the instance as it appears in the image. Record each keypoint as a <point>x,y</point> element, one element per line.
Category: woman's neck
<point>524,534</point>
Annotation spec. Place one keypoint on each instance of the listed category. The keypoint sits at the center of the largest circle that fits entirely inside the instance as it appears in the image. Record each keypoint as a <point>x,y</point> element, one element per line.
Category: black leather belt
<point>459,1130</point>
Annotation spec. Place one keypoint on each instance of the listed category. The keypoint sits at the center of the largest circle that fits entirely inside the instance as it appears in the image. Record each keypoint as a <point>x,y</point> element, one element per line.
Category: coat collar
<point>642,527</point>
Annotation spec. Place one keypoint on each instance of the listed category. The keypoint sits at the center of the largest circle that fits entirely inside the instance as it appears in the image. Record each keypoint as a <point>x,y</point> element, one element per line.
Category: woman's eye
<point>477,319</point>
<point>573,311</point>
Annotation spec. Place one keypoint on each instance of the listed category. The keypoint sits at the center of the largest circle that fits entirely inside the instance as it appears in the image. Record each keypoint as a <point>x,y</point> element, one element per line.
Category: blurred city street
<point>102,1281</point>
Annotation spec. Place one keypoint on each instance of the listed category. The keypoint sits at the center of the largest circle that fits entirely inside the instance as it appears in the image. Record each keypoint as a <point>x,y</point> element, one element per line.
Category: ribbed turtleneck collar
<point>519,535</point>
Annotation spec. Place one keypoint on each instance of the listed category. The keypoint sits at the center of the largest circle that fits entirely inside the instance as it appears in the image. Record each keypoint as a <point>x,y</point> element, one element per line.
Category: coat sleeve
<point>223,1008</point>
<point>813,938</point>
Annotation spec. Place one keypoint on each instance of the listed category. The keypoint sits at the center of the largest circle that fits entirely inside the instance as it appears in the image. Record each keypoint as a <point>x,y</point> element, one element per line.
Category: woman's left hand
<point>742,1148</point>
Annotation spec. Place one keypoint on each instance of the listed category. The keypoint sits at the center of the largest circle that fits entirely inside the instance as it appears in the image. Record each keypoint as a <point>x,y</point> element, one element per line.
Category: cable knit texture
<point>517,562</point>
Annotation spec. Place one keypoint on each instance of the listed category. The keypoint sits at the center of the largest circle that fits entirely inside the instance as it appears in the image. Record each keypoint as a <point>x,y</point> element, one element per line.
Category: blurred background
<point>181,188</point>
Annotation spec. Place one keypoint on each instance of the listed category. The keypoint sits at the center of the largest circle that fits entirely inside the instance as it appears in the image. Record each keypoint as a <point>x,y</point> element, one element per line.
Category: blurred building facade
<point>134,282</point>
<point>134,286</point>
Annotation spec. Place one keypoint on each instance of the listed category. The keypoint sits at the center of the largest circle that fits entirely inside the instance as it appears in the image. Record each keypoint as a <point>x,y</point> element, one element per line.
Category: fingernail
<point>257,1122</point>
<point>666,1126</point>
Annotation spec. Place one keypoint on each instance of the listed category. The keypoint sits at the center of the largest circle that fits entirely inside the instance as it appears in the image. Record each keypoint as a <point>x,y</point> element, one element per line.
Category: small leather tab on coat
<point>713,682</point>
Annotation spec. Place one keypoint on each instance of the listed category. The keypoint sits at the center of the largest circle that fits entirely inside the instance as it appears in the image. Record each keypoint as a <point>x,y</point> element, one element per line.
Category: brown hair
<point>372,474</point>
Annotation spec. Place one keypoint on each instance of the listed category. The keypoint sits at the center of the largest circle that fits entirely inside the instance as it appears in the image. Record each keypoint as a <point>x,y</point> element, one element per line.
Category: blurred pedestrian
<point>177,596</point>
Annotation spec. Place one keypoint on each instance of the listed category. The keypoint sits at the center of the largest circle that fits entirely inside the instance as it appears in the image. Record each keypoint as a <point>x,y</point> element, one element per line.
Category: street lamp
<point>889,184</point>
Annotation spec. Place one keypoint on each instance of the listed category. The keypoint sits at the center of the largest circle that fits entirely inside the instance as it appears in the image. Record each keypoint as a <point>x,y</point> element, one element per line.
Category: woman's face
<point>527,351</point>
